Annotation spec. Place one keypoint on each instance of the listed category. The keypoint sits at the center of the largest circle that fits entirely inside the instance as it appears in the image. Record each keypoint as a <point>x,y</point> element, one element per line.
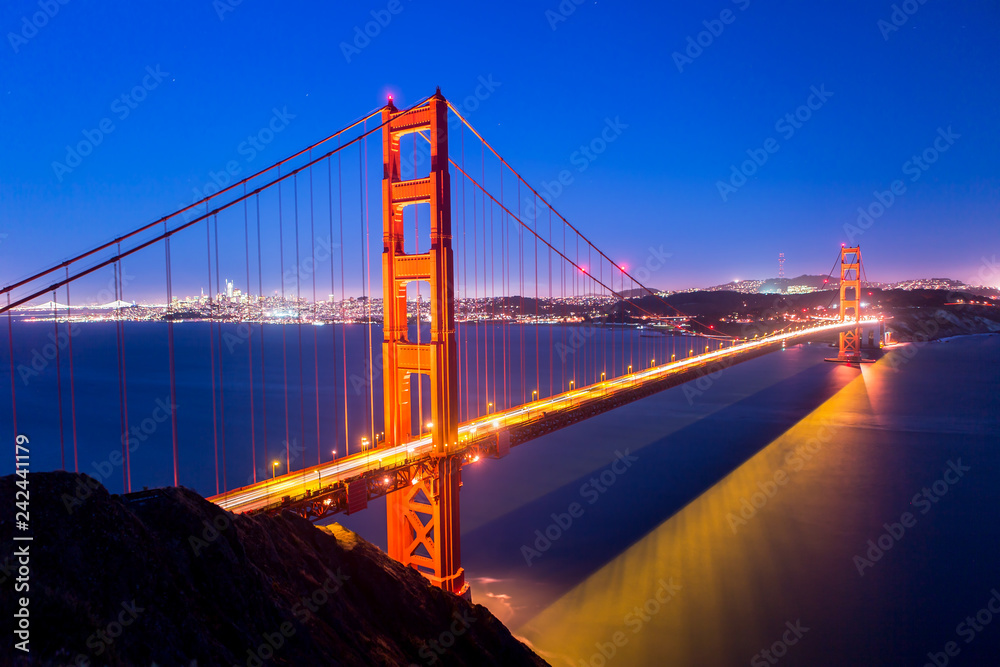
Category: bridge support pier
<point>423,525</point>
<point>423,520</point>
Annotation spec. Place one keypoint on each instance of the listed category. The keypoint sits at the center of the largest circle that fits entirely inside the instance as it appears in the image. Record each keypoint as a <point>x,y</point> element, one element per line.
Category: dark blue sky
<point>892,94</point>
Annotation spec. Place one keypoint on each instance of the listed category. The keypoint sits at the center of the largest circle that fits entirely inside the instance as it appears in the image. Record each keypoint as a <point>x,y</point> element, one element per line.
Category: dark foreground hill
<point>140,581</point>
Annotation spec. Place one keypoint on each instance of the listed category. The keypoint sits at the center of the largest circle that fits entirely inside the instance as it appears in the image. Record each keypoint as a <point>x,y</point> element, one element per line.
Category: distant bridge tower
<point>423,518</point>
<point>850,303</point>
<point>781,273</point>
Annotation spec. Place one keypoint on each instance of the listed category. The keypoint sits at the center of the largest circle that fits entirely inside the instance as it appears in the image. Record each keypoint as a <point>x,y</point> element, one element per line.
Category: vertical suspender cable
<point>121,385</point>
<point>284,346</point>
<point>62,436</point>
<point>463,345</point>
<point>173,374</point>
<point>475,292</point>
<point>298,318</point>
<point>253,430</point>
<point>505,300</point>
<point>487,242</point>
<point>534,219</point>
<point>218,333</point>
<point>211,349</point>
<point>312,236</point>
<point>520,289</point>
<point>128,453</point>
<point>333,291</point>
<point>343,296</point>
<point>263,374</point>
<point>72,383</point>
<point>416,251</point>
<point>551,328</point>
<point>363,154</point>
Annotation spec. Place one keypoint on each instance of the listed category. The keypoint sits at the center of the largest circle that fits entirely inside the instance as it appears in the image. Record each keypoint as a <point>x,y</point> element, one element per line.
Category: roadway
<point>311,480</point>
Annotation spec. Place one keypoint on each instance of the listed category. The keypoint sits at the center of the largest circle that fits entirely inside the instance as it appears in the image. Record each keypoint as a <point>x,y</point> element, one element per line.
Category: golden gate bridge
<point>499,265</point>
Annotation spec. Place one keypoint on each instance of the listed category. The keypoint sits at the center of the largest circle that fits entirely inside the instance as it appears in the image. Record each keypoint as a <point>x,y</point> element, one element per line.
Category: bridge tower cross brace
<point>850,306</point>
<point>423,518</point>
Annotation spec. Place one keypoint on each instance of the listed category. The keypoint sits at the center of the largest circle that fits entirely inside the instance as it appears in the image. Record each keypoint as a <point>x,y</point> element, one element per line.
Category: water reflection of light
<point>524,489</point>
<point>730,568</point>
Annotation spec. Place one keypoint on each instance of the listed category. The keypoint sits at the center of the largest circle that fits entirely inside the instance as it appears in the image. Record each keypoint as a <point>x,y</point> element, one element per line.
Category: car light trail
<point>265,493</point>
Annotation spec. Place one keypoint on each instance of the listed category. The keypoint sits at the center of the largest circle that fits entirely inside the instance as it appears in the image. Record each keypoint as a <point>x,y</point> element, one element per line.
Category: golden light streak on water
<point>726,565</point>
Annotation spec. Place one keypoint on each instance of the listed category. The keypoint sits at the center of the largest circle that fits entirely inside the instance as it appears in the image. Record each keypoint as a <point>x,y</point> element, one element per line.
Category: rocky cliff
<point>168,578</point>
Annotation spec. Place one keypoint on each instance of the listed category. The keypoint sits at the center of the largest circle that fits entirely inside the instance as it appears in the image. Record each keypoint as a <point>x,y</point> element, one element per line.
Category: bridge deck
<point>322,489</point>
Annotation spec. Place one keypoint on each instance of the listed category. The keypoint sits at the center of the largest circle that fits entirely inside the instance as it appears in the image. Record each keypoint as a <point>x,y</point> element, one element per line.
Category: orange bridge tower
<point>850,303</point>
<point>423,518</point>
